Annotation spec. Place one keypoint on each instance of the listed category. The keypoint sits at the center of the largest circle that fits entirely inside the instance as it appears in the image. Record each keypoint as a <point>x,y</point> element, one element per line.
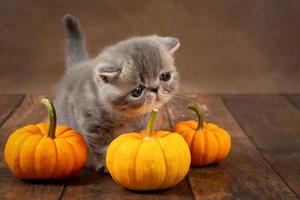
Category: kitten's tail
<point>76,50</point>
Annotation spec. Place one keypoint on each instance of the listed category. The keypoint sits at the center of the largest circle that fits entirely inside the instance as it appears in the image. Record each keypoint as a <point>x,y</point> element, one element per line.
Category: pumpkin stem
<point>52,117</point>
<point>151,123</point>
<point>200,116</point>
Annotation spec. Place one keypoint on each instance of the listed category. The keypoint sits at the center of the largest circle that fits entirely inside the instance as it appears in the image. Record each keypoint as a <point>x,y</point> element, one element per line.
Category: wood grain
<point>8,104</point>
<point>294,99</point>
<point>273,125</point>
<point>90,185</point>
<point>244,174</point>
<point>30,111</point>
<point>263,163</point>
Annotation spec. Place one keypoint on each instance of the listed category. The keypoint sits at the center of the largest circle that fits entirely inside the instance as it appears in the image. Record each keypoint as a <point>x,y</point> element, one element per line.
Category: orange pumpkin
<point>149,160</point>
<point>44,151</point>
<point>208,143</point>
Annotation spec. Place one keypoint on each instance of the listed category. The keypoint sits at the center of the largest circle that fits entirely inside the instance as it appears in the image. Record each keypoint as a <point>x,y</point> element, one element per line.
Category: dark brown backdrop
<point>231,46</point>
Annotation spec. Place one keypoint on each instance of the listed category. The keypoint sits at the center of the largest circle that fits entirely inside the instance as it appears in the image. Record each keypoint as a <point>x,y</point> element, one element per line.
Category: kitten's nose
<point>155,90</point>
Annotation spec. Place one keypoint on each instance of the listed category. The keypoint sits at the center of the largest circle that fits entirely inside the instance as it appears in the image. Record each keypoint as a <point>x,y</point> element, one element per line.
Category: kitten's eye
<point>165,76</point>
<point>137,91</point>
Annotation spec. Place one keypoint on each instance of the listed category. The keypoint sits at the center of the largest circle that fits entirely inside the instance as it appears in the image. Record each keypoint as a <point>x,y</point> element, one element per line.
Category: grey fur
<point>76,51</point>
<point>94,96</point>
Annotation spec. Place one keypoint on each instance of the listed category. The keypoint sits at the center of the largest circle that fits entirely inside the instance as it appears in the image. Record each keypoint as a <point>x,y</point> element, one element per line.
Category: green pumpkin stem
<point>151,122</point>
<point>200,116</point>
<point>52,117</point>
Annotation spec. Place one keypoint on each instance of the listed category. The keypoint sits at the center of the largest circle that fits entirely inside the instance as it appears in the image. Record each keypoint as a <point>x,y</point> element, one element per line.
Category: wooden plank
<point>8,104</point>
<point>30,111</point>
<point>89,185</point>
<point>273,125</point>
<point>244,174</point>
<point>294,99</point>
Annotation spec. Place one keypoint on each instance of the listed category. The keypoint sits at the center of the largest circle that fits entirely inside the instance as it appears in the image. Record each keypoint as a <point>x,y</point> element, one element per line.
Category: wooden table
<point>264,162</point>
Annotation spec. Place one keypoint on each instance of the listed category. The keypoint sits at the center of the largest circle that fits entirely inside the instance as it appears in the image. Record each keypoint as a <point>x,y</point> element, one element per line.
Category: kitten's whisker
<point>178,96</point>
<point>175,96</point>
<point>169,97</point>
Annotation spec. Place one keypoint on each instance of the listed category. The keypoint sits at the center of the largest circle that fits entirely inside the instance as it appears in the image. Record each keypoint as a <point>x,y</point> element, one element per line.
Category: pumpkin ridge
<point>43,152</point>
<point>80,152</point>
<point>160,136</point>
<point>62,135</point>
<point>221,152</point>
<point>41,128</point>
<point>18,162</point>
<point>192,143</point>
<point>71,137</point>
<point>34,153</point>
<point>163,153</point>
<point>30,131</point>
<point>33,161</point>
<point>228,148</point>
<point>135,157</point>
<point>113,155</point>
<point>217,146</point>
<point>186,127</point>
<point>19,158</point>
<point>205,147</point>
<point>53,172</point>
<point>64,158</point>
<point>74,161</point>
<point>64,128</point>
<point>109,165</point>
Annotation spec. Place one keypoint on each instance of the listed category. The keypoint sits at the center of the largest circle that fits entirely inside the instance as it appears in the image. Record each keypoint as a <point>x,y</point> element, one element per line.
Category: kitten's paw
<point>99,168</point>
<point>105,170</point>
<point>99,161</point>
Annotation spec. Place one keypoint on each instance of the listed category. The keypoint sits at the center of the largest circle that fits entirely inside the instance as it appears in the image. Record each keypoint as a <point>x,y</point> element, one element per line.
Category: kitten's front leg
<point>97,142</point>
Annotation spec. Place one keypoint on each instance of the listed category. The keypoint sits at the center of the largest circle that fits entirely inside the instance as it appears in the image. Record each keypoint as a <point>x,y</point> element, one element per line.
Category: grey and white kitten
<point>114,92</point>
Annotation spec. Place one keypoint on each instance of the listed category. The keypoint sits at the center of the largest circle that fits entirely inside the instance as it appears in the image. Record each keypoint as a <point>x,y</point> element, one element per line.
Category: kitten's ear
<point>107,72</point>
<point>172,44</point>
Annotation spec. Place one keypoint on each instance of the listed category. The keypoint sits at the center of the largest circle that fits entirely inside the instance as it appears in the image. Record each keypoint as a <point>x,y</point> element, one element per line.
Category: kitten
<point>114,92</point>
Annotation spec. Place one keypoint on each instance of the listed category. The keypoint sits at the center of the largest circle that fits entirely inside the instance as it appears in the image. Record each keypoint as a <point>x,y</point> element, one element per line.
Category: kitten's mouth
<point>153,101</point>
<point>148,106</point>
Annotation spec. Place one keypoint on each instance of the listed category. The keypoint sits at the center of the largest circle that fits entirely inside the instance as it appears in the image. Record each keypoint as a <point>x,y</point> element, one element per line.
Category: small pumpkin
<point>208,142</point>
<point>148,160</point>
<point>45,151</point>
